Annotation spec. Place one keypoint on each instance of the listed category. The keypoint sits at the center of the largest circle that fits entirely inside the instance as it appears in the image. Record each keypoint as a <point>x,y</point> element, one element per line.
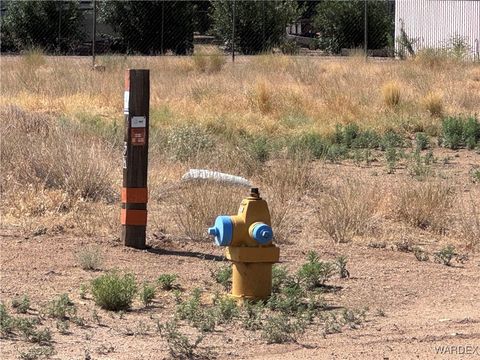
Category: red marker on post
<point>135,158</point>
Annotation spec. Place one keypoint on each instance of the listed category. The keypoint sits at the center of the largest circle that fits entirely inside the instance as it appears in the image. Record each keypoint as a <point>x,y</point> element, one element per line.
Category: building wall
<point>431,23</point>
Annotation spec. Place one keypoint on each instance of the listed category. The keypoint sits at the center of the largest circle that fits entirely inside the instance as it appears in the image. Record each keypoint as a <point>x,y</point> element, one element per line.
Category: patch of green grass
<point>147,294</point>
<point>167,281</point>
<point>114,292</point>
<point>22,304</point>
<point>422,141</point>
<point>458,132</point>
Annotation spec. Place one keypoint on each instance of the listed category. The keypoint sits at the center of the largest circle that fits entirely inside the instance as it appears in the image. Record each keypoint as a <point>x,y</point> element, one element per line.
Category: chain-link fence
<point>230,27</point>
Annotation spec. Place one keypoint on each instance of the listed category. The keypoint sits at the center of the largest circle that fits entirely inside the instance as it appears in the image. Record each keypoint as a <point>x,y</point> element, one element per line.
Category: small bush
<point>391,94</point>
<point>458,132</point>
<point>279,329</point>
<point>424,205</point>
<point>210,62</point>
<point>167,281</point>
<point>90,258</point>
<point>422,141</point>
<point>433,102</point>
<point>225,308</point>
<point>419,166</point>
<point>37,353</point>
<point>315,273</point>
<point>7,322</point>
<point>185,142</point>
<point>279,277</point>
<point>223,276</point>
<point>114,292</point>
<point>147,294</point>
<point>353,318</point>
<point>310,144</point>
<point>420,254</point>
<point>179,345</point>
<point>22,304</point>
<point>445,255</point>
<point>347,210</point>
<point>204,319</point>
<point>392,157</point>
<point>61,308</point>
<point>341,263</point>
<point>252,315</point>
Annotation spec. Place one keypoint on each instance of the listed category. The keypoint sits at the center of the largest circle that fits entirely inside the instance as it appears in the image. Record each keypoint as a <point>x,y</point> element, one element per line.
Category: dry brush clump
<point>196,205</point>
<point>424,205</point>
<point>347,210</point>
<point>391,94</point>
<point>469,222</point>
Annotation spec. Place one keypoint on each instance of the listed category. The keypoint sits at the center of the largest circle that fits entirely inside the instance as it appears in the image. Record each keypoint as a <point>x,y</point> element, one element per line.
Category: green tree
<point>151,27</point>
<point>259,25</point>
<point>54,26</point>
<point>341,24</point>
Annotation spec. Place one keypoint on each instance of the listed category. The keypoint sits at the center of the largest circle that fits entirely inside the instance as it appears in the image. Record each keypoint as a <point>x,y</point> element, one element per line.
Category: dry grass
<point>424,204</point>
<point>391,94</point>
<point>433,103</point>
<point>347,210</point>
<point>324,91</point>
<point>469,221</point>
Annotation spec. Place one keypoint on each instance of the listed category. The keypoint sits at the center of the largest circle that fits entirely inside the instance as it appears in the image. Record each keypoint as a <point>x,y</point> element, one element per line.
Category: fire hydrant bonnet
<point>222,230</point>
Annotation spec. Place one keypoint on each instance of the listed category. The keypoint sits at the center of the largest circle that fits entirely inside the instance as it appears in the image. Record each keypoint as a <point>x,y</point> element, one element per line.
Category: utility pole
<point>135,158</point>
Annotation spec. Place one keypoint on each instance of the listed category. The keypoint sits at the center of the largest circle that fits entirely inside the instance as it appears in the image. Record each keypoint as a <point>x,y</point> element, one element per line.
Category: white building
<point>434,23</point>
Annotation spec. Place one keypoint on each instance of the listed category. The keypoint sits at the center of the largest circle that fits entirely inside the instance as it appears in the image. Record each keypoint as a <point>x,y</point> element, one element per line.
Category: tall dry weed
<point>424,204</point>
<point>391,94</point>
<point>347,210</point>
<point>469,223</point>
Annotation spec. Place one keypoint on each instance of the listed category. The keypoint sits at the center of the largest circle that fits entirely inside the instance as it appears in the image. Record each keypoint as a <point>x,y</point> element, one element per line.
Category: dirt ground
<point>426,305</point>
<point>415,309</point>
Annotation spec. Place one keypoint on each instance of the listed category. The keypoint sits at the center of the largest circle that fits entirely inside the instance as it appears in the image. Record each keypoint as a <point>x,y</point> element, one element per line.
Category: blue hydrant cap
<point>222,230</point>
<point>262,233</point>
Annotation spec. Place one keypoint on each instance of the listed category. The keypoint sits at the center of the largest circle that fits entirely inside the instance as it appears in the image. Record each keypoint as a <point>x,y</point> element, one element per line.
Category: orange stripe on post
<point>134,217</point>
<point>135,195</point>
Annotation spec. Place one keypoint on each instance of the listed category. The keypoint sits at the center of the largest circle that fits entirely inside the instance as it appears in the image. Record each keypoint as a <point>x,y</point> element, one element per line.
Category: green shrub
<point>37,353</point>
<point>22,304</point>
<point>422,141</point>
<point>226,309</point>
<point>310,144</point>
<point>280,328</point>
<point>420,254</point>
<point>458,132</point>
<point>353,317</point>
<point>279,276</point>
<point>252,315</point>
<point>179,345</point>
<point>391,139</point>
<point>392,157</point>
<point>258,147</point>
<point>445,255</point>
<point>341,263</point>
<point>204,319</point>
<point>223,276</point>
<point>419,166</point>
<point>114,292</point>
<point>147,294</point>
<point>61,308</point>
<point>167,281</point>
<point>7,322</point>
<point>315,273</point>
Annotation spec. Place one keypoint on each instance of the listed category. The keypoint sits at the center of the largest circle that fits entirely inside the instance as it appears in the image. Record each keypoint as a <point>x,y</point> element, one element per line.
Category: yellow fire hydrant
<point>248,237</point>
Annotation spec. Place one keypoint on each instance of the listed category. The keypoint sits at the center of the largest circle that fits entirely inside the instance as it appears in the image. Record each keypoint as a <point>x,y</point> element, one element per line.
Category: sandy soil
<point>426,305</point>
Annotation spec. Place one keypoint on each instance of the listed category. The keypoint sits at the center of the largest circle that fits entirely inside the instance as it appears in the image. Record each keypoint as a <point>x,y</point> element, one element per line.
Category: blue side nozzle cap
<point>262,233</point>
<point>222,230</point>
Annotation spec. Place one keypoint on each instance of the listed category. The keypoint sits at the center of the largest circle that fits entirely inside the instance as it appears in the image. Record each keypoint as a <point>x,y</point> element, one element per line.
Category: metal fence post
<point>365,34</point>
<point>94,31</point>
<point>233,32</point>
<point>135,158</point>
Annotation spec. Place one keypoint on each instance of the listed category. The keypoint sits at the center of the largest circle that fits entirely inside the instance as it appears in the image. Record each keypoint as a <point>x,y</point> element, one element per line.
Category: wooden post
<point>135,158</point>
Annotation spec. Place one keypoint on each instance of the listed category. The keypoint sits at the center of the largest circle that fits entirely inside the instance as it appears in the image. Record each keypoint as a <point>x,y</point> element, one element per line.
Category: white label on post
<point>126,99</point>
<point>139,122</point>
